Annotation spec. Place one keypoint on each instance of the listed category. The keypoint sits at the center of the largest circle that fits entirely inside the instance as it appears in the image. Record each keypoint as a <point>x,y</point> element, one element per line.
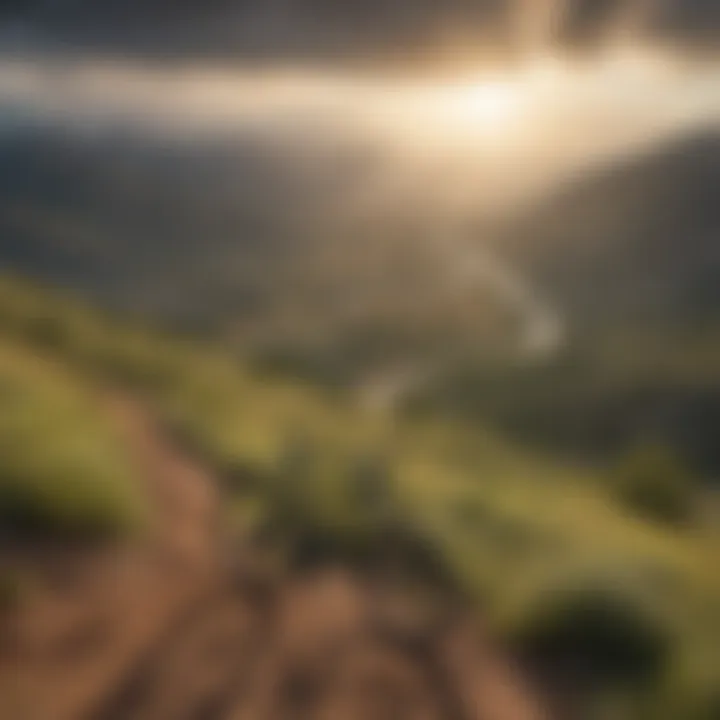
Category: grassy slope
<point>510,528</point>
<point>62,473</point>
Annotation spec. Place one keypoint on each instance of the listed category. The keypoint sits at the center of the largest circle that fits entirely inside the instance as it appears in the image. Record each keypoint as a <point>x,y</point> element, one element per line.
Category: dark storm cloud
<point>347,27</point>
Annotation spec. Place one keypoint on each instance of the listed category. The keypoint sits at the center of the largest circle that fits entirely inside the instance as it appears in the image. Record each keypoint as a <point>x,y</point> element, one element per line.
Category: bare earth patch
<point>176,628</point>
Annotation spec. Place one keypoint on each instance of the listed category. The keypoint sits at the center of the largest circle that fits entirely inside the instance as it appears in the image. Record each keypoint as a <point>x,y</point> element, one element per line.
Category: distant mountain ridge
<point>635,243</point>
<point>631,255</point>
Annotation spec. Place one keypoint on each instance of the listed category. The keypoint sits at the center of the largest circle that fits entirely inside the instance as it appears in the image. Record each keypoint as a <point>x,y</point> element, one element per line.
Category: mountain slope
<point>466,516</point>
<point>636,243</point>
<point>631,257</point>
<point>248,240</point>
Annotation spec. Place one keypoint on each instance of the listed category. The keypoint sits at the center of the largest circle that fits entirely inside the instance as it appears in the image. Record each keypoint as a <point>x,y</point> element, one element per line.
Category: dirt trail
<point>175,629</point>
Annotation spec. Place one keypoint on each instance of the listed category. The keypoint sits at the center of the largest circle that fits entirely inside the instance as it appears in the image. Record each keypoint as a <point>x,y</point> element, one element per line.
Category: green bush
<point>710,708</point>
<point>62,473</point>
<point>10,591</point>
<point>603,637</point>
<point>64,504</point>
<point>652,482</point>
<point>370,488</point>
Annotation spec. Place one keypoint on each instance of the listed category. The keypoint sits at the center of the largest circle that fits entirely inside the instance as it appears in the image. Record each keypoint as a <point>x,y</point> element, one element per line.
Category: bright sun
<point>487,103</point>
<point>489,108</point>
<point>487,112</point>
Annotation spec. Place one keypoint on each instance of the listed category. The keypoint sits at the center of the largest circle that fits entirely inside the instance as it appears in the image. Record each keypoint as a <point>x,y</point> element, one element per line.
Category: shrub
<point>370,489</point>
<point>710,707</point>
<point>604,637</point>
<point>62,472</point>
<point>59,505</point>
<point>654,483</point>
<point>10,591</point>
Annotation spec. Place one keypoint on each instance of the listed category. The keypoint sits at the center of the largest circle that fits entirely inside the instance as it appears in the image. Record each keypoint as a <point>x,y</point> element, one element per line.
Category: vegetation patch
<point>449,502</point>
<point>654,483</point>
<point>62,474</point>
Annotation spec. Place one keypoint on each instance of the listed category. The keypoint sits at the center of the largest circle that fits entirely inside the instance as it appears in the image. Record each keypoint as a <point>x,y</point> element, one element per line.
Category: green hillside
<point>522,534</point>
<point>62,472</point>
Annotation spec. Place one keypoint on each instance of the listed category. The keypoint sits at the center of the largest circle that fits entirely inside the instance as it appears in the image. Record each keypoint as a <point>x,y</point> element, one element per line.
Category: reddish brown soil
<point>178,628</point>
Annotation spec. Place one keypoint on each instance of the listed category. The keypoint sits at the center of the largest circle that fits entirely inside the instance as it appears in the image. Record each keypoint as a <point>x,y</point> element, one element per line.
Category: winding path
<point>470,264</point>
<point>183,627</point>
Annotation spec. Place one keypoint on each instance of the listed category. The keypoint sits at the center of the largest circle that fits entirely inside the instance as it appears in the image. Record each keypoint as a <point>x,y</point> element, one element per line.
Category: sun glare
<point>487,103</point>
<point>489,111</point>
